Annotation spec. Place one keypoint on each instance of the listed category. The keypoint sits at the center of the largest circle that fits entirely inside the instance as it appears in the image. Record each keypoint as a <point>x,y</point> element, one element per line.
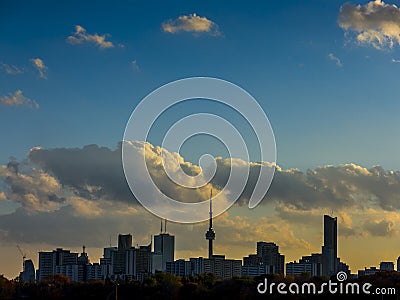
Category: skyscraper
<point>28,274</point>
<point>329,249</point>
<point>210,234</point>
<point>164,249</point>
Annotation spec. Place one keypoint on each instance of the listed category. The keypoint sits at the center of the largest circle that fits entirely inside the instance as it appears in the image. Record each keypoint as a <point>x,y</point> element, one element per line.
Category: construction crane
<point>23,257</point>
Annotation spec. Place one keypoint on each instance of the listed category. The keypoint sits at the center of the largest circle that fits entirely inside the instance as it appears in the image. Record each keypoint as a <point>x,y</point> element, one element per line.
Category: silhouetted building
<point>367,271</point>
<point>124,241</point>
<point>219,266</point>
<point>47,265</point>
<point>307,264</point>
<point>386,266</point>
<point>83,262</point>
<point>58,261</point>
<point>28,274</point>
<point>95,272</point>
<point>119,256</point>
<point>329,249</point>
<point>164,250</point>
<point>342,267</point>
<point>180,267</point>
<point>253,266</point>
<point>139,262</point>
<point>105,262</point>
<point>270,257</point>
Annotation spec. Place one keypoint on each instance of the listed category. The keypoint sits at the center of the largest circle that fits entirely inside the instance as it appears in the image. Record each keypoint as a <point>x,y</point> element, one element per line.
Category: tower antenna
<point>210,234</point>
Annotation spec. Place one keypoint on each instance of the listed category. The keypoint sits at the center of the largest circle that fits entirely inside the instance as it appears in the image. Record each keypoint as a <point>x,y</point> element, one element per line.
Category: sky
<point>325,73</point>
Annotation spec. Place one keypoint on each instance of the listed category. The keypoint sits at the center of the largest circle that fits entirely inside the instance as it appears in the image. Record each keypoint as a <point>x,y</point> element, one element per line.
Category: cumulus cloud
<point>375,23</point>
<point>40,66</point>
<point>34,189</point>
<point>395,60</point>
<point>339,187</point>
<point>191,23</point>
<point>81,36</point>
<point>11,69</point>
<point>18,99</point>
<point>334,58</point>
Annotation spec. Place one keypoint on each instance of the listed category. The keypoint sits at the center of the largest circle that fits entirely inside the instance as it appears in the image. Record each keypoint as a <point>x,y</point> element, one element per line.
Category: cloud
<point>341,187</point>
<point>334,58</point>
<point>34,189</point>
<point>11,69</point>
<point>135,65</point>
<point>395,60</point>
<point>17,99</point>
<point>380,228</point>
<point>73,196</point>
<point>191,23</point>
<point>375,23</point>
<point>80,36</point>
<point>40,66</point>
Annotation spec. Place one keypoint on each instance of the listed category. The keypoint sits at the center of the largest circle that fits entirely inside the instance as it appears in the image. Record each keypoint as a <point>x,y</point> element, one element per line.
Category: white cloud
<point>334,58</point>
<point>135,65</point>
<point>375,23</point>
<point>40,66</point>
<point>17,99</point>
<point>35,189</point>
<point>395,60</point>
<point>81,36</point>
<point>11,69</point>
<point>191,23</point>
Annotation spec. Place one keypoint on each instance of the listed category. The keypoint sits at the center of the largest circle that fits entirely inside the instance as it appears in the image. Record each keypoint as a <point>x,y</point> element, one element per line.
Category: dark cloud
<point>379,228</point>
<point>94,172</point>
<point>91,172</point>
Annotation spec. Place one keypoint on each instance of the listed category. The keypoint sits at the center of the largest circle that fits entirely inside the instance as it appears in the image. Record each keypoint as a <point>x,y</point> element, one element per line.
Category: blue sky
<point>322,113</point>
<point>327,80</point>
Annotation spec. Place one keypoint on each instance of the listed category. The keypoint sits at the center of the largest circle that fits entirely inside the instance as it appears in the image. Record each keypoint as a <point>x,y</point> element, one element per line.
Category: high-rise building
<point>47,265</point>
<point>58,261</point>
<point>105,261</point>
<point>164,246</point>
<point>119,257</point>
<point>270,257</point>
<point>398,264</point>
<point>83,262</point>
<point>329,249</point>
<point>139,262</point>
<point>28,274</point>
<point>210,234</point>
<point>124,241</point>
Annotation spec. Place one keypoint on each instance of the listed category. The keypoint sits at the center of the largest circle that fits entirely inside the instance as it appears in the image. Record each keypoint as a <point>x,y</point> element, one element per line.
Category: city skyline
<point>125,262</point>
<point>324,73</point>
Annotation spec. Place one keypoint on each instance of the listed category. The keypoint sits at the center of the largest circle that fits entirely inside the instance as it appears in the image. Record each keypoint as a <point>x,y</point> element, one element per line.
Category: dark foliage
<point>166,286</point>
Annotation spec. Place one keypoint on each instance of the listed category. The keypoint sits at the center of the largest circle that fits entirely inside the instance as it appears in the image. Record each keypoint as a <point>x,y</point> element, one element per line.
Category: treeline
<point>167,286</point>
